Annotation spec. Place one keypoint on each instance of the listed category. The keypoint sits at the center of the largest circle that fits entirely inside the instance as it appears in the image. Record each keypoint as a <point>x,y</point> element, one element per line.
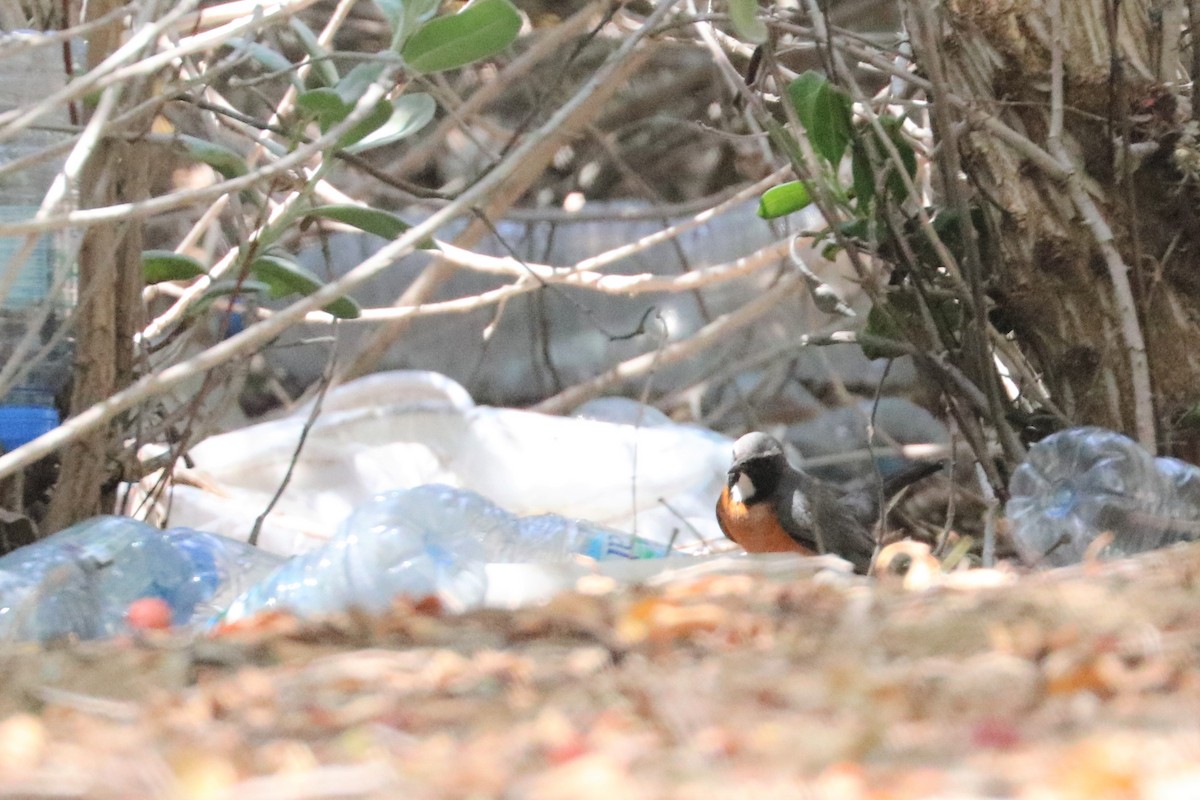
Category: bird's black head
<point>758,464</point>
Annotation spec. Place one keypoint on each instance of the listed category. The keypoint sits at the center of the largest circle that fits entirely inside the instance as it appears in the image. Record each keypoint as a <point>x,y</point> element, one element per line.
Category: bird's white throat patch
<point>743,490</point>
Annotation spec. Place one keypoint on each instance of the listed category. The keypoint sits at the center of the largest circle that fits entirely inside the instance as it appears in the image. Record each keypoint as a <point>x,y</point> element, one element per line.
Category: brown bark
<point>1125,129</point>
<point>108,316</point>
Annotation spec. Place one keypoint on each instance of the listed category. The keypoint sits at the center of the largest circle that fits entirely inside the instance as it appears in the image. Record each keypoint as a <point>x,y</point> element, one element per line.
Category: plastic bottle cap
<point>21,424</point>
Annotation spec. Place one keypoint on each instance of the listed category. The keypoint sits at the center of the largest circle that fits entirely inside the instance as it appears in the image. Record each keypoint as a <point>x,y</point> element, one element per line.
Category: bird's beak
<point>731,477</point>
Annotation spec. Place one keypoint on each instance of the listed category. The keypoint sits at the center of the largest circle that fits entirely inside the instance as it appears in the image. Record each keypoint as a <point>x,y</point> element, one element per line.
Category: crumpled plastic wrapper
<point>397,430</point>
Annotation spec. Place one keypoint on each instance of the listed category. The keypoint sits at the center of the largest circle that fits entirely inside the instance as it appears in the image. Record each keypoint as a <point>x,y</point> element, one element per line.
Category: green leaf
<point>784,199</point>
<point>344,308</point>
<point>325,105</point>
<point>744,15</point>
<point>830,131</point>
<point>165,265</point>
<point>481,29</point>
<point>824,111</point>
<point>284,277</point>
<point>410,113</point>
<point>803,90</point>
<point>328,107</point>
<point>371,220</point>
<point>323,73</point>
<point>862,174</point>
<point>858,228</point>
<point>376,119</point>
<point>354,85</point>
<point>866,165</point>
<point>224,160</point>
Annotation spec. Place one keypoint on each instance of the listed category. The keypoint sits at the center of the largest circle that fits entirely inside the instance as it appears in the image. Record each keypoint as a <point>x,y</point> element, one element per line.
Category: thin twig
<point>976,338</point>
<point>1194,44</point>
<point>880,499</point>
<point>313,414</point>
<point>264,146</point>
<point>232,258</point>
<point>989,516</point>
<point>976,116</point>
<point>207,194</point>
<point>537,152</point>
<point>550,42</point>
<point>13,42</point>
<point>255,337</point>
<point>715,331</point>
<point>951,497</point>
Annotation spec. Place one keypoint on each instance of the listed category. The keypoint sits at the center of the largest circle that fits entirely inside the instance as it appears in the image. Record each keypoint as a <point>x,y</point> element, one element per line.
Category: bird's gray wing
<point>795,511</point>
<point>820,520</point>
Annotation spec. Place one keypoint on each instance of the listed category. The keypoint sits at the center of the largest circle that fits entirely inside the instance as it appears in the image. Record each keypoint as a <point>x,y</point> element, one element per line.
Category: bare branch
<point>254,337</point>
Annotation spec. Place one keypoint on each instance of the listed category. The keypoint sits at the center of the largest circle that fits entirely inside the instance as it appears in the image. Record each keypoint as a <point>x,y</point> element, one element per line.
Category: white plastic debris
<point>398,430</point>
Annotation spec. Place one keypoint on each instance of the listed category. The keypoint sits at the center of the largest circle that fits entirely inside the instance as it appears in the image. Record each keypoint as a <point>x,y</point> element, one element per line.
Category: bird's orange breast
<point>755,527</point>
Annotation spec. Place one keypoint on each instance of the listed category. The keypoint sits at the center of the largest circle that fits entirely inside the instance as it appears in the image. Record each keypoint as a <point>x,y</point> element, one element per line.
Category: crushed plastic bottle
<point>393,545</point>
<point>431,540</point>
<point>80,581</point>
<point>1079,483</point>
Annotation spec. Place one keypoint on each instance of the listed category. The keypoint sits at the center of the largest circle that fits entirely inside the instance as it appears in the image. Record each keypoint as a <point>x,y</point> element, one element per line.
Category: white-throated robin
<point>769,506</point>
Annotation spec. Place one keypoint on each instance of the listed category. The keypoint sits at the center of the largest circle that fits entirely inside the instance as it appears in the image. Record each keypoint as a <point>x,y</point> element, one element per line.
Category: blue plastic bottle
<point>80,581</point>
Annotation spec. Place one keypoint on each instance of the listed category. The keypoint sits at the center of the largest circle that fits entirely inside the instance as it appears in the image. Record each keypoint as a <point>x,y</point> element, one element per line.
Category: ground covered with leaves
<point>1075,683</point>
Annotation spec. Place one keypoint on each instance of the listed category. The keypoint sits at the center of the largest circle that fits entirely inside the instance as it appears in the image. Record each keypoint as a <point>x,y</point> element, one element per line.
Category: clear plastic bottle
<point>1181,499</point>
<point>37,280</point>
<point>507,538</point>
<point>1081,482</point>
<point>80,581</point>
<point>414,543</point>
<point>550,537</point>
<point>432,540</point>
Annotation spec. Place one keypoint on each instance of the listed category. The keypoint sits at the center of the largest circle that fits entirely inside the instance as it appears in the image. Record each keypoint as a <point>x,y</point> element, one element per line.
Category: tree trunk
<point>1128,136</point>
<point>109,314</point>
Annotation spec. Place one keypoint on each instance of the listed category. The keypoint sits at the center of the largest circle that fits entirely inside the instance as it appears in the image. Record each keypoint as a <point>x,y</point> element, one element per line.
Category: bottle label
<point>607,546</point>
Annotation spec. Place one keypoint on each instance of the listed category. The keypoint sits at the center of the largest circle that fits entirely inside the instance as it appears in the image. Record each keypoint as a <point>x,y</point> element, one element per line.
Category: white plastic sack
<point>397,430</point>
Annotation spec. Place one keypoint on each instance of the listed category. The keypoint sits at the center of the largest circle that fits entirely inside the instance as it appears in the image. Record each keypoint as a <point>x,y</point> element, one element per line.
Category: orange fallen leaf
<point>658,619</point>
